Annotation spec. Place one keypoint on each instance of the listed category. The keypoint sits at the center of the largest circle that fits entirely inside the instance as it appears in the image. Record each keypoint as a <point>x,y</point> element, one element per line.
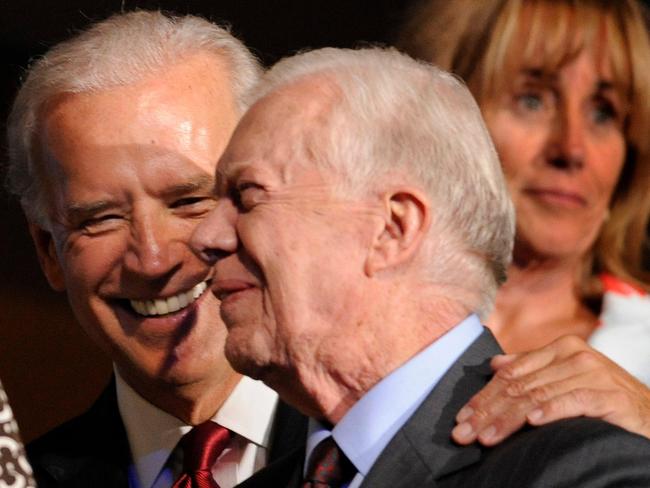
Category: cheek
<point>517,145</point>
<point>88,262</point>
<point>609,166</point>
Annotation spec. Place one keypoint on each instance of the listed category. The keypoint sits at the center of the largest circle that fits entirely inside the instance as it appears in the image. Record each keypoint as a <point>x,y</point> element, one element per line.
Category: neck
<point>539,303</point>
<point>387,336</point>
<point>193,403</point>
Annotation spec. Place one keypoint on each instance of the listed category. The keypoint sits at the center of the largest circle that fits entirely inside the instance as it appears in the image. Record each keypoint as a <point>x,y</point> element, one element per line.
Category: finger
<point>510,414</point>
<point>508,367</point>
<point>620,408</point>
<point>579,402</point>
<point>500,360</point>
<point>490,419</point>
<point>503,405</point>
<point>585,368</point>
<point>491,405</point>
<point>500,402</point>
<point>557,400</point>
<point>493,428</point>
<point>528,362</point>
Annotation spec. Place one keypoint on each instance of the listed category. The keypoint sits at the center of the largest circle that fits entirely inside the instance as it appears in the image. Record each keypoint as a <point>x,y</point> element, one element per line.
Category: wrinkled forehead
<point>545,36</point>
<point>279,130</point>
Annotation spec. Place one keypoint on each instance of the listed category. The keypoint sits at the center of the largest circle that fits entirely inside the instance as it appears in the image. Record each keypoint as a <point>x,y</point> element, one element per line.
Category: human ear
<point>47,256</point>
<point>407,219</point>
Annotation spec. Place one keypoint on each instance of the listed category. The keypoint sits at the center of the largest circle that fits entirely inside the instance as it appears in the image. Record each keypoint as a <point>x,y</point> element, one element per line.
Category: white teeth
<point>172,303</point>
<point>162,306</point>
<point>198,290</point>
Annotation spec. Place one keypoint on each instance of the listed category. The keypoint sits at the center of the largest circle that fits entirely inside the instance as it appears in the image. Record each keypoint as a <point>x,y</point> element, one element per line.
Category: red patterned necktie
<point>201,447</point>
<point>328,466</point>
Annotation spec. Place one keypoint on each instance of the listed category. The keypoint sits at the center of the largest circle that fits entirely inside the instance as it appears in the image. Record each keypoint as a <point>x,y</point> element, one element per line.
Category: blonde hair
<point>485,41</point>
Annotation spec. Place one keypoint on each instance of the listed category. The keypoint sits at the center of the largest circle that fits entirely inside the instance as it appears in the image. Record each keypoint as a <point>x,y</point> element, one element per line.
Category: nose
<point>567,144</point>
<point>216,236</point>
<point>153,251</point>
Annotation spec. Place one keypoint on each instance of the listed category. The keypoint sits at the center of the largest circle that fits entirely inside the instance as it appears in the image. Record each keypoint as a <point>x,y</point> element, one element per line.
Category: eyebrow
<point>606,85</point>
<point>232,173</point>
<point>540,74</point>
<point>198,183</point>
<point>76,211</point>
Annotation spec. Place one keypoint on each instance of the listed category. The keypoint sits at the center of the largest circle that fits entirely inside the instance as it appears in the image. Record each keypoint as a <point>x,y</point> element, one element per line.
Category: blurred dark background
<point>49,368</point>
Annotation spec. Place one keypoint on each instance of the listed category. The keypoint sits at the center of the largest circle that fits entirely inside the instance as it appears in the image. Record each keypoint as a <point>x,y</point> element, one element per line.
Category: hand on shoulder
<point>564,379</point>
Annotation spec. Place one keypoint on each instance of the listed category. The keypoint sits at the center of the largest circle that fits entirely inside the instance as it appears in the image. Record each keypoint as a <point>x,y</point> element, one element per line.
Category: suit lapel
<point>422,451</point>
<point>284,472</point>
<point>91,450</point>
<point>286,454</point>
<point>289,431</point>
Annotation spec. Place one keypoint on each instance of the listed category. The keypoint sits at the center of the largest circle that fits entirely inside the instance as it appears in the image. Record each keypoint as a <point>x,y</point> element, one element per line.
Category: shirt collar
<point>153,433</point>
<point>367,428</point>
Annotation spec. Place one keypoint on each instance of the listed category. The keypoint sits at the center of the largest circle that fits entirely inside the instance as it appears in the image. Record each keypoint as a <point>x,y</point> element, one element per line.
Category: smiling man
<point>363,226</point>
<point>114,139</point>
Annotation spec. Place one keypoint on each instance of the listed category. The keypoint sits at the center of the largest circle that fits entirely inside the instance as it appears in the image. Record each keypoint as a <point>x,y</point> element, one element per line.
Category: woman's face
<point>561,142</point>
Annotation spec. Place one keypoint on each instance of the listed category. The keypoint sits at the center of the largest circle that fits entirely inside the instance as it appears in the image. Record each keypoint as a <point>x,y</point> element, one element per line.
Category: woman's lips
<point>557,197</point>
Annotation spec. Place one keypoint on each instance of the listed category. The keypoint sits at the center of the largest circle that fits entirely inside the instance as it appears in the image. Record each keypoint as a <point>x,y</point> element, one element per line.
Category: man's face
<point>290,252</point>
<point>130,174</point>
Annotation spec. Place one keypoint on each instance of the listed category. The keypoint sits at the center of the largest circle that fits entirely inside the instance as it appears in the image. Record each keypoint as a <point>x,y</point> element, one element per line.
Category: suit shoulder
<point>69,436</point>
<point>87,431</point>
<point>578,452</point>
<point>93,442</point>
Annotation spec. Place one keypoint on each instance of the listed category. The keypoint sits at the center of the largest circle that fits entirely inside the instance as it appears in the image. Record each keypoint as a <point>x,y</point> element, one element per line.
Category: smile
<point>162,306</point>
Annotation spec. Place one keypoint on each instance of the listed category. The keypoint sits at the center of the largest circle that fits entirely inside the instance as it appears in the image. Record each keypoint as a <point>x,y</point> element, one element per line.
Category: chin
<point>554,242</point>
<point>242,360</point>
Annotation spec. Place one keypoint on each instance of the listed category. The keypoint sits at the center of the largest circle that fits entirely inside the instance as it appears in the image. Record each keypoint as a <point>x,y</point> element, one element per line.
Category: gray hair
<point>118,51</point>
<point>395,116</point>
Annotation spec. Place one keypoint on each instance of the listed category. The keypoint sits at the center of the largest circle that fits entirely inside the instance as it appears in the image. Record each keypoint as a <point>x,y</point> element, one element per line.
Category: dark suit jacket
<point>92,450</point>
<point>573,453</point>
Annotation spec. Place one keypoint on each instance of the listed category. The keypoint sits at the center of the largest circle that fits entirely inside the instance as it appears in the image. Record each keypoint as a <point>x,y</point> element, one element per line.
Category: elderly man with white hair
<point>362,229</point>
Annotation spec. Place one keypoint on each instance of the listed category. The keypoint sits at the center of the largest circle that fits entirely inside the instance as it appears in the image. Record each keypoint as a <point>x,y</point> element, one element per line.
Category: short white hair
<point>119,51</point>
<point>395,117</point>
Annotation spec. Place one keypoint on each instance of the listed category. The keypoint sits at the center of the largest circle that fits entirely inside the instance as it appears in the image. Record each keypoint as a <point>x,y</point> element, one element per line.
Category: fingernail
<point>464,413</point>
<point>488,433</point>
<point>463,430</point>
<point>535,415</point>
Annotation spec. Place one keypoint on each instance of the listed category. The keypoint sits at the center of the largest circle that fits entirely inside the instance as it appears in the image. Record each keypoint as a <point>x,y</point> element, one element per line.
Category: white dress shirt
<point>152,433</point>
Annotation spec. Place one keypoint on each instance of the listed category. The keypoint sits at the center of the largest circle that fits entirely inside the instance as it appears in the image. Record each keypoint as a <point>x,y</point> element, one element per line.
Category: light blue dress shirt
<point>365,430</point>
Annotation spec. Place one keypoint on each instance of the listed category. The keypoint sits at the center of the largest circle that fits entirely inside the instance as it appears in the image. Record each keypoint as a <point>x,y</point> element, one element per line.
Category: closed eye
<point>247,195</point>
<point>185,202</point>
<point>193,205</point>
<point>100,224</point>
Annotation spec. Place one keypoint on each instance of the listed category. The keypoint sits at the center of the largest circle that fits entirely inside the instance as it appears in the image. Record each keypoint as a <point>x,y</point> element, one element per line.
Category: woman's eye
<point>605,112</point>
<point>530,101</point>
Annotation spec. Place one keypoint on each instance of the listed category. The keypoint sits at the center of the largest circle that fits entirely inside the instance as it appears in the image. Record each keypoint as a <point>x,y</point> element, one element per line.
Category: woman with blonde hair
<point>564,86</point>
